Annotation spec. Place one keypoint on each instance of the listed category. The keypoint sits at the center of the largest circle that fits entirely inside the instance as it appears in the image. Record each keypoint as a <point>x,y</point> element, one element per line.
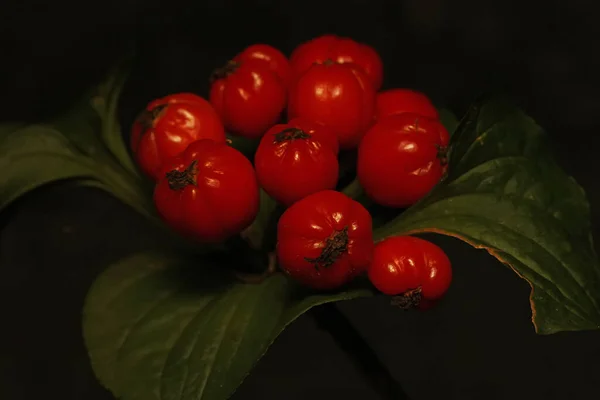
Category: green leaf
<point>72,146</point>
<point>35,155</point>
<point>105,101</point>
<point>505,194</point>
<point>449,120</point>
<point>162,327</point>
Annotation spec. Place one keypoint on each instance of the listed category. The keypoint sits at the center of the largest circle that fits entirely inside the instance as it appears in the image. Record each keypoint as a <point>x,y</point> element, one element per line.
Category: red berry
<point>404,264</point>
<point>168,125</point>
<point>401,158</point>
<point>341,50</point>
<point>325,240</point>
<point>338,96</point>
<point>208,193</point>
<point>248,96</point>
<point>274,59</point>
<point>296,159</point>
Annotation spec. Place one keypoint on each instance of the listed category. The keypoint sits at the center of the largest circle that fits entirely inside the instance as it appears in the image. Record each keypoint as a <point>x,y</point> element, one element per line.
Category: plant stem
<point>328,317</point>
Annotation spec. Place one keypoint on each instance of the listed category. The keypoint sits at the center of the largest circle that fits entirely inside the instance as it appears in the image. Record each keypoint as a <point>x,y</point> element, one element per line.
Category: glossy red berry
<point>273,58</point>
<point>248,96</point>
<point>341,50</point>
<point>338,96</point>
<point>208,193</point>
<point>168,125</point>
<point>325,240</point>
<point>296,159</point>
<point>411,267</point>
<point>401,158</point>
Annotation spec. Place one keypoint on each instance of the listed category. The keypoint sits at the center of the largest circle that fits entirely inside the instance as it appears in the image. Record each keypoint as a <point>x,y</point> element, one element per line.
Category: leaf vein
<point>144,315</point>
<point>184,329</point>
<point>215,353</point>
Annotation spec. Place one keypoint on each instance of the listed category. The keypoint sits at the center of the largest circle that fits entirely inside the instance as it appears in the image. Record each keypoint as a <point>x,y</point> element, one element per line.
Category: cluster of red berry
<point>330,89</point>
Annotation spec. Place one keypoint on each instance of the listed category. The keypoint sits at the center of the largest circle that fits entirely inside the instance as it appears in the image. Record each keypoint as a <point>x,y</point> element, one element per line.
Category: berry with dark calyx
<point>296,159</point>
<point>208,193</point>
<point>325,240</point>
<point>415,271</point>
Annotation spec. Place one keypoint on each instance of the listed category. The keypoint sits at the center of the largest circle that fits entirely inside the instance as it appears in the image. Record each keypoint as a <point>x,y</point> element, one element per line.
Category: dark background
<point>478,344</point>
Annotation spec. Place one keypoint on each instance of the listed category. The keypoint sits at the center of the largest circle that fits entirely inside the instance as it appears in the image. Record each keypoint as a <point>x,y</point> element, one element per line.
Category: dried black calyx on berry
<point>180,179</point>
<point>408,300</point>
<point>290,134</point>
<point>147,117</point>
<point>335,246</point>
<point>220,73</point>
<point>442,154</point>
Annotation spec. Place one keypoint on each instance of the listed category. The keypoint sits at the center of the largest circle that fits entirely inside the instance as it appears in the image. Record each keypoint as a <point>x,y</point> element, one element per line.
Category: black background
<point>478,344</point>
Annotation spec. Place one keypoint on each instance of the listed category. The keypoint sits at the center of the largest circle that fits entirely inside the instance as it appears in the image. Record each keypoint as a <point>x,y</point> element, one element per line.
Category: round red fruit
<point>168,125</point>
<point>410,267</point>
<point>274,59</point>
<point>208,193</point>
<point>338,96</point>
<point>325,240</point>
<point>296,159</point>
<point>248,96</point>
<point>399,101</point>
<point>338,49</point>
<point>401,158</point>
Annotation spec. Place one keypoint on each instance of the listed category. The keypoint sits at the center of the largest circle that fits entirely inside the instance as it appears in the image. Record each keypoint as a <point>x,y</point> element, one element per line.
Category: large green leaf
<point>84,143</point>
<point>105,100</point>
<point>34,155</point>
<point>506,195</point>
<point>163,327</point>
